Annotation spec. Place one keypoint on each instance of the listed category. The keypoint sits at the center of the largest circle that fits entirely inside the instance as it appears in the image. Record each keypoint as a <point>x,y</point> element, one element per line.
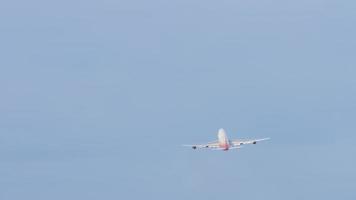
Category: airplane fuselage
<point>223,140</point>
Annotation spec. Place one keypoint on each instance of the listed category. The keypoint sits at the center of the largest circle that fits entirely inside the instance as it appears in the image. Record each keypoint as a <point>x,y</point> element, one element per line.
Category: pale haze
<point>97,98</point>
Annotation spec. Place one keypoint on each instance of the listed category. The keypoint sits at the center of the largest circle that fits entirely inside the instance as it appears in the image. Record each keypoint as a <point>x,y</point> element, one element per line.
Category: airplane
<point>223,143</point>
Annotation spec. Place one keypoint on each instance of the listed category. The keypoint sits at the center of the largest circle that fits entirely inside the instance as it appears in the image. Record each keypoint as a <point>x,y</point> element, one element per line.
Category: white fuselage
<point>223,140</point>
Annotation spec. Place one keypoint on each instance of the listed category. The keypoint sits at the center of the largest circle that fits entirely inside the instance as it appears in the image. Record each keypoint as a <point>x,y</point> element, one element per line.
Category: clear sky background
<point>98,96</point>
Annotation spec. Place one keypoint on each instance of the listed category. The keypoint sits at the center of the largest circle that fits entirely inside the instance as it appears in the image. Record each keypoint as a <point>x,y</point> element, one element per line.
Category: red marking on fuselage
<point>224,145</point>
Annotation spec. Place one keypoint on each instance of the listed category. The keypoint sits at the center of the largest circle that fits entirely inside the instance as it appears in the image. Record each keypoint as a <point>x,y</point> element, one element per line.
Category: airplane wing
<point>210,145</point>
<point>240,142</point>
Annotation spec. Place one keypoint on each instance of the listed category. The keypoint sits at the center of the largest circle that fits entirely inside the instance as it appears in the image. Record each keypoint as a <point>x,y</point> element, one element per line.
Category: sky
<point>97,98</point>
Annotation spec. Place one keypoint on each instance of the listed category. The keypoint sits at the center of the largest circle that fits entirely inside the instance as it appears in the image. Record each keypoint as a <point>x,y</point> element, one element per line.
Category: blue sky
<point>97,97</point>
